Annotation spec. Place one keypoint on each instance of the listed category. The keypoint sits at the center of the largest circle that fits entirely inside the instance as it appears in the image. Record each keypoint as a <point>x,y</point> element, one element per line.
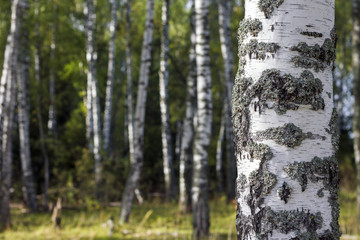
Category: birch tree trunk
<point>282,108</point>
<point>219,155</point>
<point>110,78</point>
<point>186,154</point>
<point>168,158</point>
<point>200,184</point>
<point>23,80</point>
<point>225,39</point>
<point>134,174</point>
<point>38,111</point>
<point>93,98</point>
<point>129,86</point>
<point>7,83</point>
<point>52,113</point>
<point>356,70</point>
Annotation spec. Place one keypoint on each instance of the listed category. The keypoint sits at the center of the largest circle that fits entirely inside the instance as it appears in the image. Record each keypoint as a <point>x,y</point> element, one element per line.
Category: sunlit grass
<point>164,222</point>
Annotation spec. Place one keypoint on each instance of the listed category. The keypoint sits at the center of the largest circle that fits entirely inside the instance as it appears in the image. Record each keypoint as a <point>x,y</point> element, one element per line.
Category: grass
<point>152,220</point>
<point>163,222</point>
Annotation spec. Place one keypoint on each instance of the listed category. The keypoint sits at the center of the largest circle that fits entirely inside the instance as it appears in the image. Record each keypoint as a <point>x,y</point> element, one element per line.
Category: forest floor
<point>152,220</point>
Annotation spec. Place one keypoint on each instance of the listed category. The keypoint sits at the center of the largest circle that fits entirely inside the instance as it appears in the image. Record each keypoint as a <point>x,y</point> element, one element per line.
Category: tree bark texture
<point>93,103</point>
<point>135,170</point>
<point>186,154</point>
<point>285,125</point>
<point>356,70</point>
<point>200,184</point>
<point>110,78</point>
<point>23,80</point>
<point>167,150</point>
<point>7,82</point>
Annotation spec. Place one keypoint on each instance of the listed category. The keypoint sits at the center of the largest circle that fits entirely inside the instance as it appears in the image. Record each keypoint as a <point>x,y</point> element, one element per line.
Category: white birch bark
<point>23,80</point>
<point>129,85</point>
<point>38,111</point>
<point>110,78</point>
<point>356,91</point>
<point>285,123</point>
<point>219,155</point>
<point>186,154</point>
<point>168,158</point>
<point>7,82</point>
<point>93,98</point>
<point>135,170</point>
<point>200,184</point>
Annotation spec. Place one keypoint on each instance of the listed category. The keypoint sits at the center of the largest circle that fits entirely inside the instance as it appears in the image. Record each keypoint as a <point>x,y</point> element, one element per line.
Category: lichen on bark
<point>268,6</point>
<point>288,135</point>
<point>284,192</point>
<point>258,50</point>
<point>316,57</point>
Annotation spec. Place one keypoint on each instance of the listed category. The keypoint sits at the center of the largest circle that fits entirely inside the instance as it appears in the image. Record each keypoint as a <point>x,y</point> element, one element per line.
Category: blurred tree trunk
<point>52,113</point>
<point>168,158</point>
<point>282,108</point>
<point>186,154</point>
<point>110,78</point>
<point>7,82</point>
<point>219,154</point>
<point>93,103</point>
<point>23,80</point>
<point>129,85</point>
<point>225,39</point>
<point>38,109</point>
<point>199,191</point>
<point>135,170</point>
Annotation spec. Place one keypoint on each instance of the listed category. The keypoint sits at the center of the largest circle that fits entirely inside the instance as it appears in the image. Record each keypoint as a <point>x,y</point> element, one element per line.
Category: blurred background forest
<point>71,163</point>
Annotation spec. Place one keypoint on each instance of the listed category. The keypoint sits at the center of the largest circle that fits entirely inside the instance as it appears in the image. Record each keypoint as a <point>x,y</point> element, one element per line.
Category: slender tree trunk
<point>134,174</point>
<point>38,112</point>
<point>200,184</point>
<point>356,70</point>
<point>23,80</point>
<point>110,78</point>
<point>168,158</point>
<point>178,137</point>
<point>52,113</point>
<point>94,106</point>
<point>186,154</point>
<point>282,108</point>
<point>129,86</point>
<point>225,39</point>
<point>219,154</point>
<point>7,83</point>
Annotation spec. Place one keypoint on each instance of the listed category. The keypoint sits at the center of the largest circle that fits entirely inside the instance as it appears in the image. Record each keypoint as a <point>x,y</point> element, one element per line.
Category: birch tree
<point>93,104</point>
<point>135,170</point>
<point>110,78</point>
<point>285,123</point>
<point>8,78</point>
<point>356,70</point>
<point>200,184</point>
<point>168,158</point>
<point>186,154</point>
<point>219,155</point>
<point>225,39</point>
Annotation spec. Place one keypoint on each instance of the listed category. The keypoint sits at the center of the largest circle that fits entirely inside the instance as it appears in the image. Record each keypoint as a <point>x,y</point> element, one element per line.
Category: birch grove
<point>135,170</point>
<point>282,107</point>
<point>200,185</point>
